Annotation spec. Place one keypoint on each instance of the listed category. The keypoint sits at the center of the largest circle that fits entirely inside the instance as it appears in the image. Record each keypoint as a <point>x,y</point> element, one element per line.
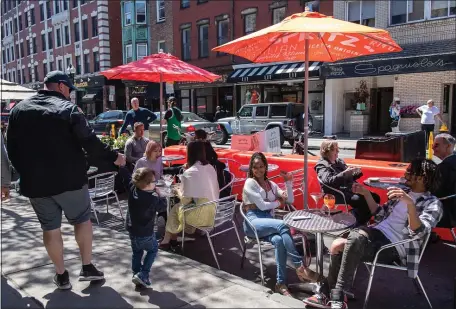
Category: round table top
<point>166,191</point>
<point>172,158</point>
<point>319,222</point>
<point>271,168</point>
<point>385,182</point>
<point>92,169</point>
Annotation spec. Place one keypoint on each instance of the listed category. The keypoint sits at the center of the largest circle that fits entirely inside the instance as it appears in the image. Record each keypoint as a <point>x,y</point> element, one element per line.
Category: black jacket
<point>46,139</point>
<point>445,185</point>
<point>142,209</point>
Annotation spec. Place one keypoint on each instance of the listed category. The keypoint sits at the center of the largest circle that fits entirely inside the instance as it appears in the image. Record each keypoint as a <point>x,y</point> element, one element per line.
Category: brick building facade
<point>424,70</point>
<point>41,36</point>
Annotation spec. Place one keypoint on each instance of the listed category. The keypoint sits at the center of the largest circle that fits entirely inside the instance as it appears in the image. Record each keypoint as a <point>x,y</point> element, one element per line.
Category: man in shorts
<point>48,138</point>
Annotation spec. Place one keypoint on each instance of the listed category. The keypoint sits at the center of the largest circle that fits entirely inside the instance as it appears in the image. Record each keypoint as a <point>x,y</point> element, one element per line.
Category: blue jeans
<point>277,233</point>
<point>138,246</point>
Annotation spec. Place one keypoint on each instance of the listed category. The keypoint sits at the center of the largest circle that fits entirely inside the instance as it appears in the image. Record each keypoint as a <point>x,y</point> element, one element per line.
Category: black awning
<point>273,71</point>
<point>414,58</point>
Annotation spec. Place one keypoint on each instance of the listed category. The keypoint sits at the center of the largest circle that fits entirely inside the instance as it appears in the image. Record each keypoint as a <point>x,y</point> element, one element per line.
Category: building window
<point>48,9</point>
<point>406,11</point>
<point>96,62</point>
<point>34,45</point>
<point>161,46</point>
<point>8,60</point>
<point>75,4</point>
<point>4,56</point>
<point>128,53</point>
<point>77,36</point>
<point>19,77</point>
<point>51,66</point>
<point>128,8</point>
<point>278,15</point>
<point>94,26</point>
<point>60,65</point>
<point>19,22</point>
<point>185,4</point>
<point>66,33</point>
<point>50,40</point>
<point>85,29</point>
<point>37,76</point>
<point>58,37</point>
<point>26,20</point>
<point>57,7</point>
<point>12,52</point>
<point>140,12</point>
<point>442,8</point>
<point>14,76</point>
<point>9,77</point>
<point>361,12</point>
<point>160,10</point>
<point>203,41</point>
<point>314,6</point>
<point>15,25</point>
<point>201,1</point>
<point>17,51</point>
<point>86,63</point>
<point>78,65</point>
<point>250,23</point>
<point>222,31</point>
<point>186,44</point>
<point>65,5</point>
<point>22,49</point>
<point>29,47</point>
<point>43,42</point>
<point>32,16</point>
<point>45,69</point>
<point>68,62</point>
<point>141,51</point>
<point>30,74</point>
<point>42,12</point>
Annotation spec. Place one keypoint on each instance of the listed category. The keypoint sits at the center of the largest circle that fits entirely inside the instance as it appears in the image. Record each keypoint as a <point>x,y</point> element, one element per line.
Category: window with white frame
<point>250,23</point>
<point>222,31</point>
<point>278,15</point>
<point>140,12</point>
<point>60,64</point>
<point>58,37</point>
<point>67,62</point>
<point>161,46</point>
<point>128,9</point>
<point>141,50</point>
<point>361,12</point>
<point>186,44</point>
<point>160,10</point>
<point>128,53</point>
<point>405,11</point>
<point>185,4</point>
<point>57,7</point>
<point>66,33</point>
<point>203,38</point>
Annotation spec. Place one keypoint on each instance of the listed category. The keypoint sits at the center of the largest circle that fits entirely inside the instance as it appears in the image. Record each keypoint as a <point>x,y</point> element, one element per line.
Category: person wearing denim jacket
<point>261,196</point>
<point>143,205</point>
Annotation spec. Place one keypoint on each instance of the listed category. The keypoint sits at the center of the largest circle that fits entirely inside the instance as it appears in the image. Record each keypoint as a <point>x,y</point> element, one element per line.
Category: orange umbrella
<point>160,68</point>
<point>310,36</point>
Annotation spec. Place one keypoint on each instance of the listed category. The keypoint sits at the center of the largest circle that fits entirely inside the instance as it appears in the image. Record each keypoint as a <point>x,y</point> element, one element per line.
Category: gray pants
<point>358,248</point>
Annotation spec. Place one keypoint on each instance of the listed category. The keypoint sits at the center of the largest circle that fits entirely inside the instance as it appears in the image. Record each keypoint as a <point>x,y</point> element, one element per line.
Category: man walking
<point>47,137</point>
<point>173,119</point>
<point>428,113</point>
<point>138,114</point>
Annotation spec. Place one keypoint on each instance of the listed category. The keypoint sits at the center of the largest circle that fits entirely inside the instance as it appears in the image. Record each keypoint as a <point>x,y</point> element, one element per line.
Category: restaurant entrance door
<point>379,114</point>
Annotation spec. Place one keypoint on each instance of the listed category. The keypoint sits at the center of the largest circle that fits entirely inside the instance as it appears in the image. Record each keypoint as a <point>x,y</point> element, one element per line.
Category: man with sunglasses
<point>406,215</point>
<point>48,137</point>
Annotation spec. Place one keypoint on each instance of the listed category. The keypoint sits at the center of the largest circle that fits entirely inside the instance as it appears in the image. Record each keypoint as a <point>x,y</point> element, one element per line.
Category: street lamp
<point>70,71</point>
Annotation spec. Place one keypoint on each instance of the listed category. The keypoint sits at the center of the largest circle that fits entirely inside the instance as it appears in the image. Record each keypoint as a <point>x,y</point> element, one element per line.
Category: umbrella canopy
<point>13,91</point>
<point>310,36</point>
<point>330,40</point>
<point>158,68</point>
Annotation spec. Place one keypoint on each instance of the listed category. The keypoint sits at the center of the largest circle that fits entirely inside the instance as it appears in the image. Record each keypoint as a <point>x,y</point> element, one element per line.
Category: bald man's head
<point>135,103</point>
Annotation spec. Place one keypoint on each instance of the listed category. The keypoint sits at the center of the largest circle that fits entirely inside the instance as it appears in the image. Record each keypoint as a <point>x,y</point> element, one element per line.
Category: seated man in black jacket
<point>47,136</point>
<point>333,172</point>
<point>446,177</point>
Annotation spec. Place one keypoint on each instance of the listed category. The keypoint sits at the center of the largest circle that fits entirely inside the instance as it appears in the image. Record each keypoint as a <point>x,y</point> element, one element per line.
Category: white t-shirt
<point>392,226</point>
<point>427,114</point>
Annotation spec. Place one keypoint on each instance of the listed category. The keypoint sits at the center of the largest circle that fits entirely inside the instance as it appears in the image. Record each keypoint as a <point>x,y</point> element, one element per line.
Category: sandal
<point>282,289</point>
<point>306,274</point>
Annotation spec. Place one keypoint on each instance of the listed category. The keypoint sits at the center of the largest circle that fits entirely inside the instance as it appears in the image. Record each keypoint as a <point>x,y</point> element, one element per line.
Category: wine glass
<point>316,196</point>
<point>168,180</point>
<point>330,202</point>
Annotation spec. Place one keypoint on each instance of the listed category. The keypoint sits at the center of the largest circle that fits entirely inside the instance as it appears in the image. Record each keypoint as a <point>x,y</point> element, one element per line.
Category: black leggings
<point>428,128</point>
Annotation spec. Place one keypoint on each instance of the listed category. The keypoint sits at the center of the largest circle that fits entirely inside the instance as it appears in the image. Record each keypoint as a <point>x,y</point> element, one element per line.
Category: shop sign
<point>89,82</point>
<point>83,84</point>
<point>391,67</point>
<point>138,90</point>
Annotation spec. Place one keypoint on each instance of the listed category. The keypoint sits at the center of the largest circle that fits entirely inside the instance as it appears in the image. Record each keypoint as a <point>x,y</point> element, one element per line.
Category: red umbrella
<point>160,68</point>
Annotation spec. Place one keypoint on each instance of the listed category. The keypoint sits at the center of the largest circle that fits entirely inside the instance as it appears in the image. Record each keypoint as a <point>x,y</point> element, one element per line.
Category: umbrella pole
<point>161,110</point>
<point>306,121</point>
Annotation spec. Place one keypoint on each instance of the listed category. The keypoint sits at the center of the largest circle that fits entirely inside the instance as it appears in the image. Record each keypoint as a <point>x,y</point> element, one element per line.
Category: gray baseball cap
<point>59,77</point>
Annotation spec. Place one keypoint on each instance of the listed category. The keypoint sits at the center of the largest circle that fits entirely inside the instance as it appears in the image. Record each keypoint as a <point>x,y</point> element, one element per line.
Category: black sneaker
<point>62,281</point>
<point>90,273</point>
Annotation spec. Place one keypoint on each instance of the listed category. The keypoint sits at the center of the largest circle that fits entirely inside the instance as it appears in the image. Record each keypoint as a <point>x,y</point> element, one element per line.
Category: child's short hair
<point>142,177</point>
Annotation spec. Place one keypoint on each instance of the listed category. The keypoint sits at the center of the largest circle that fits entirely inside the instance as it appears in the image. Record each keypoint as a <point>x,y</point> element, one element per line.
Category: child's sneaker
<point>140,279</point>
<point>338,299</point>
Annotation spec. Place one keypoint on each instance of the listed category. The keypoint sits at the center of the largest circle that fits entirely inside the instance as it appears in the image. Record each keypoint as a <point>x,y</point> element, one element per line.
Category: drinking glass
<point>168,180</point>
<point>330,202</point>
<point>316,196</point>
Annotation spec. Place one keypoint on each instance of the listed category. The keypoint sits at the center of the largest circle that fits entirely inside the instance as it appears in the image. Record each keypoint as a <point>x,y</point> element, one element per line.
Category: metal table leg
<point>319,253</point>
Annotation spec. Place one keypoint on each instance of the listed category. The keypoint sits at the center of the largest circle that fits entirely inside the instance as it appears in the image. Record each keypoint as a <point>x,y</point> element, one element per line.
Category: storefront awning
<point>415,58</point>
<point>273,71</point>
<point>91,97</point>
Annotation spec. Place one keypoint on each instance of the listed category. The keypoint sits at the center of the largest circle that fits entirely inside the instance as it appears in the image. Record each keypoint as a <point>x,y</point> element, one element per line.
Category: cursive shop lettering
<point>424,63</point>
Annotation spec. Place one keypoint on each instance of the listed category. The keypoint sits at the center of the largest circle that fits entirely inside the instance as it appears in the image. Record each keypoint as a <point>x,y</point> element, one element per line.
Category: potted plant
<point>361,95</point>
<point>108,140</point>
<point>409,111</point>
<point>119,143</point>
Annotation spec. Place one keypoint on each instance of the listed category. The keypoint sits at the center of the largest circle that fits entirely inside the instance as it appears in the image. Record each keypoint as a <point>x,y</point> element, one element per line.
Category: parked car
<point>104,121</point>
<point>252,118</point>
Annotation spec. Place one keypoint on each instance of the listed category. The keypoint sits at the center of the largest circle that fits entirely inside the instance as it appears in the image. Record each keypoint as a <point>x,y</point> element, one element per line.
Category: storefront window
<point>251,94</point>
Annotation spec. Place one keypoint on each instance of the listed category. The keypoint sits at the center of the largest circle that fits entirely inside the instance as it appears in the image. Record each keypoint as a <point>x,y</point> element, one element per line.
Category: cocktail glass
<point>329,202</point>
<point>316,196</point>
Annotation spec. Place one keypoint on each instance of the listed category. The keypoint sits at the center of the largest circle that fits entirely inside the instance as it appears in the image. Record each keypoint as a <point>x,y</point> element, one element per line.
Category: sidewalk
<point>344,142</point>
<point>177,281</point>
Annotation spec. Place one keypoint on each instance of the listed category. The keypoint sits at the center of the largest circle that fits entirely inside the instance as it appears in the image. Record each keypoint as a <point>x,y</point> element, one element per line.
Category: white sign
<point>272,140</point>
<point>111,97</point>
<point>112,91</point>
<point>169,88</point>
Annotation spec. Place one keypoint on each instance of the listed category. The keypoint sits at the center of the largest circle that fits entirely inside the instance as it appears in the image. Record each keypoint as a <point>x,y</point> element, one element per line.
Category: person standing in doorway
<point>428,113</point>
<point>52,165</point>
<point>138,114</point>
<point>395,114</point>
<point>173,120</point>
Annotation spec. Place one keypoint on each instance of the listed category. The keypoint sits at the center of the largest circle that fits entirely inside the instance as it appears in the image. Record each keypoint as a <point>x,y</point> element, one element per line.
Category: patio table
<point>319,223</point>
<point>169,159</point>
<point>168,193</point>
<point>385,183</point>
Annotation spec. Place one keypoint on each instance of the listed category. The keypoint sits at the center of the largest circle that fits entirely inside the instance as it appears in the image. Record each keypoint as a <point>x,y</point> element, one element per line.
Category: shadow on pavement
<point>11,298</point>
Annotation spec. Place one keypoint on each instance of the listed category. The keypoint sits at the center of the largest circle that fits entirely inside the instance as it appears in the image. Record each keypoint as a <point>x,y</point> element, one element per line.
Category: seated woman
<point>261,196</point>
<point>152,159</point>
<point>333,172</point>
<point>199,185</point>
